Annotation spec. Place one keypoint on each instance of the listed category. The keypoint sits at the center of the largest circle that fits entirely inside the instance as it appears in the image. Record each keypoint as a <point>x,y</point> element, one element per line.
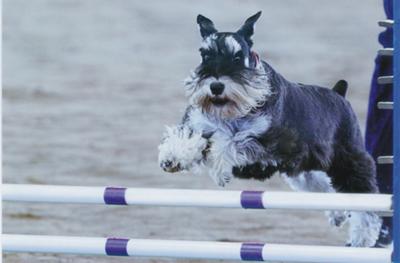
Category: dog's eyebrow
<point>209,42</point>
<point>232,45</point>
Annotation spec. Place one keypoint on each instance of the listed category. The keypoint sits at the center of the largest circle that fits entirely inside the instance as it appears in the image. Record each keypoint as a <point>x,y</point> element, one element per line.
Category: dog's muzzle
<point>217,89</point>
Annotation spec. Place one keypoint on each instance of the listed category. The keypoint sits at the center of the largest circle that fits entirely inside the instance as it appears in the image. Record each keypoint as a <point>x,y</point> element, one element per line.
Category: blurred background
<point>89,85</point>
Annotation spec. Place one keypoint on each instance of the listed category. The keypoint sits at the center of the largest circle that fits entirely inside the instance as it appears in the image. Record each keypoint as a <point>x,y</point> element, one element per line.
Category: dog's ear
<point>206,26</point>
<point>247,30</point>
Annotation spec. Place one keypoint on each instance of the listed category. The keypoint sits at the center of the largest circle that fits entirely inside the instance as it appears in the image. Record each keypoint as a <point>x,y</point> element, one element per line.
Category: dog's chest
<point>250,126</point>
<point>236,142</point>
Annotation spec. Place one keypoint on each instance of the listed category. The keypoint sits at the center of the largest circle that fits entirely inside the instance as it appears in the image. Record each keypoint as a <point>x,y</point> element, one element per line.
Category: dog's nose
<point>217,88</point>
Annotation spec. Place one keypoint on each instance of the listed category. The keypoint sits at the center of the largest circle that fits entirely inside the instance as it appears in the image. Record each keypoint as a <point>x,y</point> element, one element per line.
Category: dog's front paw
<point>180,149</point>
<point>170,166</point>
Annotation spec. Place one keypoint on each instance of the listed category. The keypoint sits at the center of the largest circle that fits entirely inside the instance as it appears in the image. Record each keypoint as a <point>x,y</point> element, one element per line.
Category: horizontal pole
<point>385,80</point>
<point>386,52</point>
<point>197,198</point>
<point>386,23</point>
<point>385,159</point>
<point>192,249</point>
<point>385,105</point>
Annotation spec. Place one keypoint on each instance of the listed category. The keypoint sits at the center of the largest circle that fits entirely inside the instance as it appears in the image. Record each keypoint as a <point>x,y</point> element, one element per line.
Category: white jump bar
<point>197,198</point>
<point>192,249</point>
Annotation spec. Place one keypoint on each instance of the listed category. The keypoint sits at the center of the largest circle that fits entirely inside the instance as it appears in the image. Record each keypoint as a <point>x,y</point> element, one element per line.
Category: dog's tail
<point>340,87</point>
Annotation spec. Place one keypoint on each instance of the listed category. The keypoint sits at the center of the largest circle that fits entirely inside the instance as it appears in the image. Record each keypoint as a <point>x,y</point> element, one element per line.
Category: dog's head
<point>230,81</point>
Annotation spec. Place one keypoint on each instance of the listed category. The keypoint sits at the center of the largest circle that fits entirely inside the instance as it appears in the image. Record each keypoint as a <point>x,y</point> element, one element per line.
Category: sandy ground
<point>89,86</point>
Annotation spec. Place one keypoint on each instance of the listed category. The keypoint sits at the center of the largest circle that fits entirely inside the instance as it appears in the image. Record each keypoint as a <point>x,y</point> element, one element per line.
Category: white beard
<point>242,98</point>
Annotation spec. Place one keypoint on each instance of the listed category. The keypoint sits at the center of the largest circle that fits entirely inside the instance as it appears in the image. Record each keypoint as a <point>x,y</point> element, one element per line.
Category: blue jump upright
<point>396,133</point>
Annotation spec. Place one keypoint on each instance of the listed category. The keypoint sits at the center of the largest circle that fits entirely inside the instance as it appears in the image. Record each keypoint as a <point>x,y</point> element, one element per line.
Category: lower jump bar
<point>197,198</point>
<point>192,249</point>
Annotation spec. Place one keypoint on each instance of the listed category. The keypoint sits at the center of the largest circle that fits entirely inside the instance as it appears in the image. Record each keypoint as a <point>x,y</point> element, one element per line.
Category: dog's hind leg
<point>317,181</point>
<point>353,171</point>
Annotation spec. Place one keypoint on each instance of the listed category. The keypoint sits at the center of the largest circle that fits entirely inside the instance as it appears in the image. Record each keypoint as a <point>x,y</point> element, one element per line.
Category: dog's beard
<point>243,93</point>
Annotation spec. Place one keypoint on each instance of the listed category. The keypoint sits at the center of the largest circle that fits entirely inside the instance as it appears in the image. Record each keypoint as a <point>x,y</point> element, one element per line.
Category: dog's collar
<point>255,59</point>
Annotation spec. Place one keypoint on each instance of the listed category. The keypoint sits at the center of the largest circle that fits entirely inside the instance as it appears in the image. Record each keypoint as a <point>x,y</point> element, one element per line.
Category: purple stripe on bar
<point>251,251</point>
<point>115,196</point>
<point>117,246</point>
<point>252,199</point>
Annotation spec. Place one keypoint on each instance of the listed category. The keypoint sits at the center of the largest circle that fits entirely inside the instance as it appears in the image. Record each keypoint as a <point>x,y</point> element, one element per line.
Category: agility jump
<point>195,198</point>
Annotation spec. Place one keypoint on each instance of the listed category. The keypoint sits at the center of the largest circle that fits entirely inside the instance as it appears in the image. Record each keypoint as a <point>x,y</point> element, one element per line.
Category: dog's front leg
<point>181,148</point>
<point>218,160</point>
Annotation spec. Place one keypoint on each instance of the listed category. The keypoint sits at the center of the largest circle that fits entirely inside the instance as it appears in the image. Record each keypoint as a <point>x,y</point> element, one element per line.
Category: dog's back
<point>320,114</point>
<point>320,128</point>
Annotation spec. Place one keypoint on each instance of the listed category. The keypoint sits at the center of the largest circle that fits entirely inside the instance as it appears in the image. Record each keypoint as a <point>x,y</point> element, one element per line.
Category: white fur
<point>232,44</point>
<point>205,90</point>
<point>240,128</point>
<point>242,98</point>
<point>181,148</point>
<point>364,226</point>
<point>317,181</point>
<point>232,142</point>
<point>313,181</point>
<point>364,229</point>
<point>208,42</point>
<point>246,62</point>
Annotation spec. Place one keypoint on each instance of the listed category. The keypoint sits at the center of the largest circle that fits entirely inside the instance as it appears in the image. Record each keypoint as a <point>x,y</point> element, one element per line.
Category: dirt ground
<point>89,85</point>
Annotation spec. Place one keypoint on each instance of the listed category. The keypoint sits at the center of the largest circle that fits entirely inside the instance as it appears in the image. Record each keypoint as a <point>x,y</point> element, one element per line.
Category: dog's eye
<point>238,57</point>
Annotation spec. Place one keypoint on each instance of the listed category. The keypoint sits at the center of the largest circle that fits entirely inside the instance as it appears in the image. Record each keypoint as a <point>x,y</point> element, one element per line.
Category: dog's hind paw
<point>364,229</point>
<point>337,218</point>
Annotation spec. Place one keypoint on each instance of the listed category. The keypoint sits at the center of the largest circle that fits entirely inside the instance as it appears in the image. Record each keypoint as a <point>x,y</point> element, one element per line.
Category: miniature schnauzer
<point>246,120</point>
